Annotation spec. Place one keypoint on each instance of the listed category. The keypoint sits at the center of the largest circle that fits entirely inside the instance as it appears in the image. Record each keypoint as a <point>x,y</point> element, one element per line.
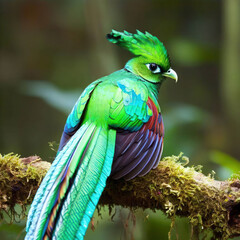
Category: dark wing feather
<point>136,153</point>
<point>142,164</point>
<point>154,159</point>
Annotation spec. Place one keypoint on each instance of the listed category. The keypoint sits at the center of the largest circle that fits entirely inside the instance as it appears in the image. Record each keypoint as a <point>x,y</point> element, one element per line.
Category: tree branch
<point>171,187</point>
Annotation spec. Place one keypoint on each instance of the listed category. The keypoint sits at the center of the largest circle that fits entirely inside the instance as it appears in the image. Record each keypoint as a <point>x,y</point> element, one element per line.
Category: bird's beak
<point>171,74</point>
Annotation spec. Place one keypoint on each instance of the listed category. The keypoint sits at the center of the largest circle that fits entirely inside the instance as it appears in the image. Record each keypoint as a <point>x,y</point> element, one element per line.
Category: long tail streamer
<point>68,195</point>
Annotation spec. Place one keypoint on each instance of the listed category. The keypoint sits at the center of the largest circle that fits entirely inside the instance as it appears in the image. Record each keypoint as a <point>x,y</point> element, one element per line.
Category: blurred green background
<point>51,50</point>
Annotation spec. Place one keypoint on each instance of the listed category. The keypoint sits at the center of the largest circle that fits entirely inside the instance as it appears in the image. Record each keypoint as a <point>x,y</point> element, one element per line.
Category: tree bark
<point>175,189</point>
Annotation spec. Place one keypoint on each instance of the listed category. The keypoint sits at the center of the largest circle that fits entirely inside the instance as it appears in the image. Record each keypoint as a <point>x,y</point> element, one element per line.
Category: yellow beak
<point>171,74</point>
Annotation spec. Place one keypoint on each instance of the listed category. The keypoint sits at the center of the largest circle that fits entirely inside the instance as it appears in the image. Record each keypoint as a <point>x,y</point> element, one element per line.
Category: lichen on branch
<point>172,187</point>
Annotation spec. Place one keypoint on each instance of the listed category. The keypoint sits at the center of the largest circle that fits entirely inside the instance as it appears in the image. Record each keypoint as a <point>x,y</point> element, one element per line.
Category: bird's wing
<point>140,131</point>
<point>129,109</point>
<point>75,117</point>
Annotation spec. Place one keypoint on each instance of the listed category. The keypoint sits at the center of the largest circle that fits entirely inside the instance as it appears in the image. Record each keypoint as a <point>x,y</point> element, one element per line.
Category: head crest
<point>140,44</point>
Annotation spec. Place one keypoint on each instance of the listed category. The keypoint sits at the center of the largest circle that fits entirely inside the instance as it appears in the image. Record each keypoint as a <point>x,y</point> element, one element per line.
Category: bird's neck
<point>153,89</point>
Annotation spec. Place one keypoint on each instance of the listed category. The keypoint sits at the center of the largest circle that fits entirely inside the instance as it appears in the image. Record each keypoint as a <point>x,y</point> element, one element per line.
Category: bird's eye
<point>153,67</point>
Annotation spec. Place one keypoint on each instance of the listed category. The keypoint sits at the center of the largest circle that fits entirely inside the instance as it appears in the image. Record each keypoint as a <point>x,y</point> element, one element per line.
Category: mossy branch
<point>171,187</point>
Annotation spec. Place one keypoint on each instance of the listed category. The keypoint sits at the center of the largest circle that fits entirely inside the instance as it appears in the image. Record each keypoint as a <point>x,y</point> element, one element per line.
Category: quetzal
<point>115,129</point>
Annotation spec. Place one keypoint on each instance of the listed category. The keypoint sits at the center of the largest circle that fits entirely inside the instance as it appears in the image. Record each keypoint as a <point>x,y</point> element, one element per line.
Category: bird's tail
<point>69,193</point>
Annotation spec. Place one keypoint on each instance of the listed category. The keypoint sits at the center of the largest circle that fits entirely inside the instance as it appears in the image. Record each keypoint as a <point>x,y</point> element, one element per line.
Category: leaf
<point>225,161</point>
<point>55,97</point>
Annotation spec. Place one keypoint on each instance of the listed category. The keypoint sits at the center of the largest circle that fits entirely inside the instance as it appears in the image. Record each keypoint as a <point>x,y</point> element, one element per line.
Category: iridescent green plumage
<point>114,128</point>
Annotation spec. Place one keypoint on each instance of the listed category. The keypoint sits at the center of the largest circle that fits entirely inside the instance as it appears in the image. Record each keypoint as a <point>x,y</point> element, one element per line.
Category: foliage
<point>225,161</point>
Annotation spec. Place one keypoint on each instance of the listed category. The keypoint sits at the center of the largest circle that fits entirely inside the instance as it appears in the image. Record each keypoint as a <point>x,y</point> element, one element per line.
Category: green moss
<point>172,187</point>
<point>18,184</point>
<point>179,190</point>
<point>235,176</point>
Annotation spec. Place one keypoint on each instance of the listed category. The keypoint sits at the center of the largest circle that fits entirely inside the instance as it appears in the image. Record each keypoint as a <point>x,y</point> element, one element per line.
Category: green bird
<point>114,130</point>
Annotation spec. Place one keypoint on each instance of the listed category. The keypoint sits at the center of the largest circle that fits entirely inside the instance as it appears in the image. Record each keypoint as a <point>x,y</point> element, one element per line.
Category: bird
<point>115,130</point>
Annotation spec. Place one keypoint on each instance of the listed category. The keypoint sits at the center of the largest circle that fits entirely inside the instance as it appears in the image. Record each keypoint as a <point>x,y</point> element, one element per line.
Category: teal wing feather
<point>75,117</point>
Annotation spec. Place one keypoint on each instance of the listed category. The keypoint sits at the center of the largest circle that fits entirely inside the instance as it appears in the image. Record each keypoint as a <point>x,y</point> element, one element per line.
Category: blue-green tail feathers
<point>47,184</point>
<point>91,179</point>
<point>86,161</point>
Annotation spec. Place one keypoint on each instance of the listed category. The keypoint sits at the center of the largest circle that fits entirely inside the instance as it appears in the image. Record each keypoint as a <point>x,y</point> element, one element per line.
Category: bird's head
<point>151,62</point>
